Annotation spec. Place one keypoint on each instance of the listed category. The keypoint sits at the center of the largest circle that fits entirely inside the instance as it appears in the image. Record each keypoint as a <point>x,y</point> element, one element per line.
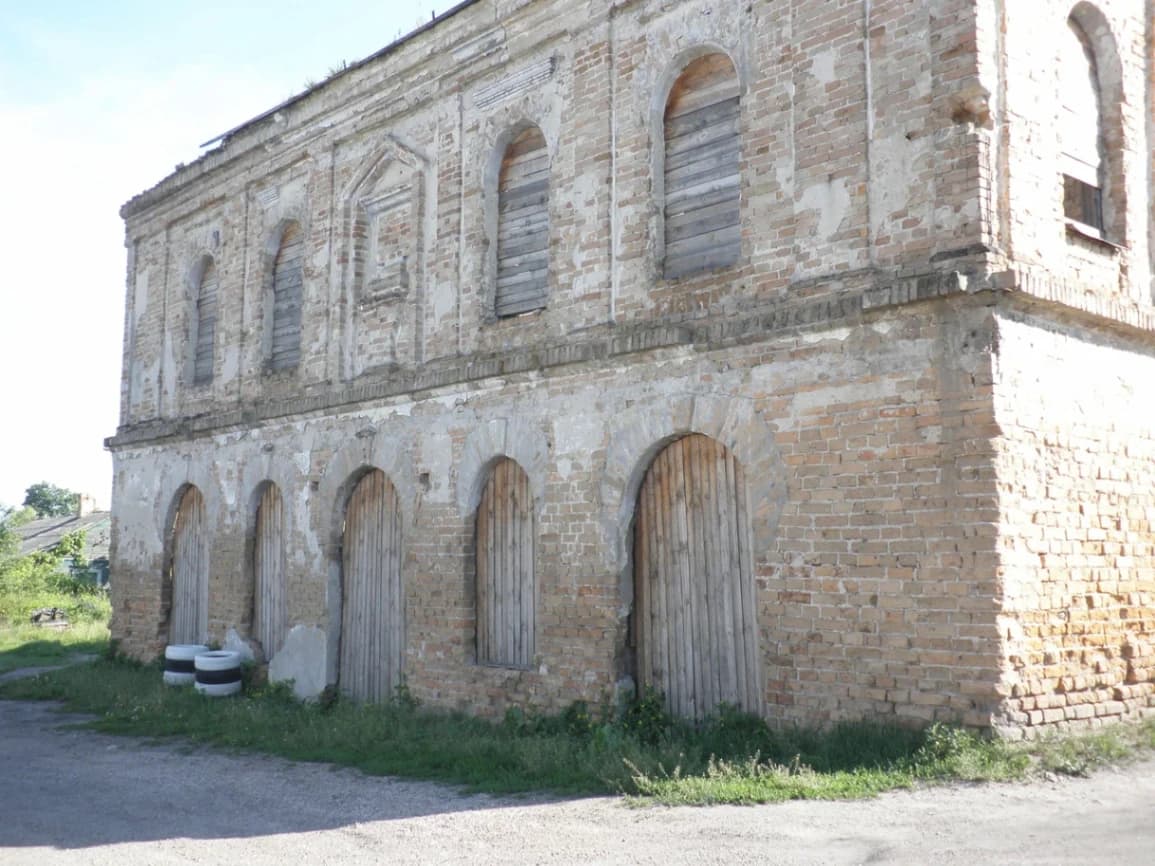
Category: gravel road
<point>70,796</point>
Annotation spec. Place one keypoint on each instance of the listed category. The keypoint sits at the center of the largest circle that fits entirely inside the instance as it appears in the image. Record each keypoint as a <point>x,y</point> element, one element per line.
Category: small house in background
<point>42,536</point>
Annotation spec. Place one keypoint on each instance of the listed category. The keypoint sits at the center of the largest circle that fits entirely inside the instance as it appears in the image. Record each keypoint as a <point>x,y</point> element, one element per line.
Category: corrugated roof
<point>45,534</point>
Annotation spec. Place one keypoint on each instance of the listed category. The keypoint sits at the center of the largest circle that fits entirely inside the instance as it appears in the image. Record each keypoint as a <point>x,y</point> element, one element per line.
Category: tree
<point>51,501</point>
<point>9,539</point>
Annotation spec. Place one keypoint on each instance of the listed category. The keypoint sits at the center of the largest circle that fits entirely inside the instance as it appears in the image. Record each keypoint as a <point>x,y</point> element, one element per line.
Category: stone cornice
<point>599,345</point>
<point>1081,298</point>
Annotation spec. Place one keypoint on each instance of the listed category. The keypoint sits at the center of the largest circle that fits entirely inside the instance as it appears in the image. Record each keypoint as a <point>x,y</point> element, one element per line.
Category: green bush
<point>32,582</point>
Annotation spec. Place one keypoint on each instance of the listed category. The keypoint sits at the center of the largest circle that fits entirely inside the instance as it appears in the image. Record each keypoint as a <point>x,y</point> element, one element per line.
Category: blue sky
<point>99,101</point>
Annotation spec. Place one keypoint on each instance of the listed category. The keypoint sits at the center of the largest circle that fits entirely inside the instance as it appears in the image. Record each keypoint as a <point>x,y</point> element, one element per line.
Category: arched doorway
<point>189,570</point>
<point>372,604</point>
<point>695,611</point>
<point>506,588</point>
<point>269,602</point>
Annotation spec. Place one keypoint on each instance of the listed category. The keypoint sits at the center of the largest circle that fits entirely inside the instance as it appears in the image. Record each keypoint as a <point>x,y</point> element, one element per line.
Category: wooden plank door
<point>372,605</point>
<point>506,602</point>
<point>188,621</point>
<point>695,616</point>
<point>269,592</point>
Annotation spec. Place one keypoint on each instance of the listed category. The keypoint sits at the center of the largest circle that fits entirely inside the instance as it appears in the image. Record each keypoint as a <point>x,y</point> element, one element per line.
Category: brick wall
<point>1076,468</point>
<point>874,359</point>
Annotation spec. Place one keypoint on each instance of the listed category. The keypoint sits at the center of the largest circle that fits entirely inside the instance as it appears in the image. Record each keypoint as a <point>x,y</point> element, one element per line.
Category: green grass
<point>1079,756</point>
<point>733,758</point>
<point>26,646</point>
<point>36,581</point>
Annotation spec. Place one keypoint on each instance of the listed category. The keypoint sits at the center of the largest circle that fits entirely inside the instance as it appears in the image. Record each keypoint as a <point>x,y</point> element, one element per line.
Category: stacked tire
<point>216,673</point>
<point>180,663</point>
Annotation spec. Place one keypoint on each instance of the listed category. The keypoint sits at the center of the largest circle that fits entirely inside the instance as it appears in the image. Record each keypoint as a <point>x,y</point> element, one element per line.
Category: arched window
<point>1081,130</point>
<point>505,569</point>
<point>701,168</point>
<point>288,279</point>
<point>205,324</point>
<point>523,226</point>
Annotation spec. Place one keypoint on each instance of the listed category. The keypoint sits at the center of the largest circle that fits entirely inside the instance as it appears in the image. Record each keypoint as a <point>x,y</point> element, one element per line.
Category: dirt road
<point>72,797</point>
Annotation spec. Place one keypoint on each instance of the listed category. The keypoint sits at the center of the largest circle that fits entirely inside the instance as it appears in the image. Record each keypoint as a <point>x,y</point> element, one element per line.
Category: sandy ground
<point>69,796</point>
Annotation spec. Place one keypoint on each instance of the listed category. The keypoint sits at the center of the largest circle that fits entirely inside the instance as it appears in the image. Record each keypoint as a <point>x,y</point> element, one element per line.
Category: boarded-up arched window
<point>189,570</point>
<point>205,324</point>
<point>372,605</point>
<point>288,279</point>
<point>1081,131</point>
<point>523,226</point>
<point>269,602</point>
<point>505,569</point>
<point>702,178</point>
<point>695,625</point>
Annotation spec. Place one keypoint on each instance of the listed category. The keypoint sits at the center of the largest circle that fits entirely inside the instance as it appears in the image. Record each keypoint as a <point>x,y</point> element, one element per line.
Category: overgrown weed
<point>640,751</point>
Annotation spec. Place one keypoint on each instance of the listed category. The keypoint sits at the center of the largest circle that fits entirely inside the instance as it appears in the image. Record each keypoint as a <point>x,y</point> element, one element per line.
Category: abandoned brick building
<point>799,355</point>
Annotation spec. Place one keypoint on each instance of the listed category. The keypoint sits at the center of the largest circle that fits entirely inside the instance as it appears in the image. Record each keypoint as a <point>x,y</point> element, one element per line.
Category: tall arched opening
<point>695,613</point>
<point>372,602</point>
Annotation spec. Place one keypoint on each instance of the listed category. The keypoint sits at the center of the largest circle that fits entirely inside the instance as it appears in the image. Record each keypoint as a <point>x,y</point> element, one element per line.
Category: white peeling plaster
<point>302,460</point>
<point>578,431</point>
<point>832,201</point>
<point>140,296</point>
<point>839,334</point>
<point>437,460</point>
<point>443,301</point>
<point>302,660</point>
<point>858,392</point>
<point>894,170</point>
<point>822,65</point>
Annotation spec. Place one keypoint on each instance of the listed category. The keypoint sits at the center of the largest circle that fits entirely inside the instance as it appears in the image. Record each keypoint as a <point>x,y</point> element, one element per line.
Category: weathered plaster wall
<point>872,598</point>
<point>842,172</point>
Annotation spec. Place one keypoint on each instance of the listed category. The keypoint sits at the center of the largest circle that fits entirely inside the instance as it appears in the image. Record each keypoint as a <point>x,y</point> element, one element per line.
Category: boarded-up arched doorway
<point>695,613</point>
<point>189,570</point>
<point>269,603</point>
<point>506,603</point>
<point>372,604</point>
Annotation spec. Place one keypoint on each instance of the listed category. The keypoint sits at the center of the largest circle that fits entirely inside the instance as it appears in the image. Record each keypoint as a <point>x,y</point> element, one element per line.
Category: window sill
<point>1091,234</point>
<point>491,319</point>
<point>511,668</point>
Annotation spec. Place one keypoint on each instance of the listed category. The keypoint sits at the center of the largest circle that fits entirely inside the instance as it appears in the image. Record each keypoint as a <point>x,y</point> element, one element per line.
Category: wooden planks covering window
<point>269,602</point>
<point>702,162</point>
<point>505,569</point>
<point>523,226</point>
<point>288,280</point>
<point>1080,132</point>
<point>372,605</point>
<point>206,324</point>
<point>189,570</point>
<point>695,625</point>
